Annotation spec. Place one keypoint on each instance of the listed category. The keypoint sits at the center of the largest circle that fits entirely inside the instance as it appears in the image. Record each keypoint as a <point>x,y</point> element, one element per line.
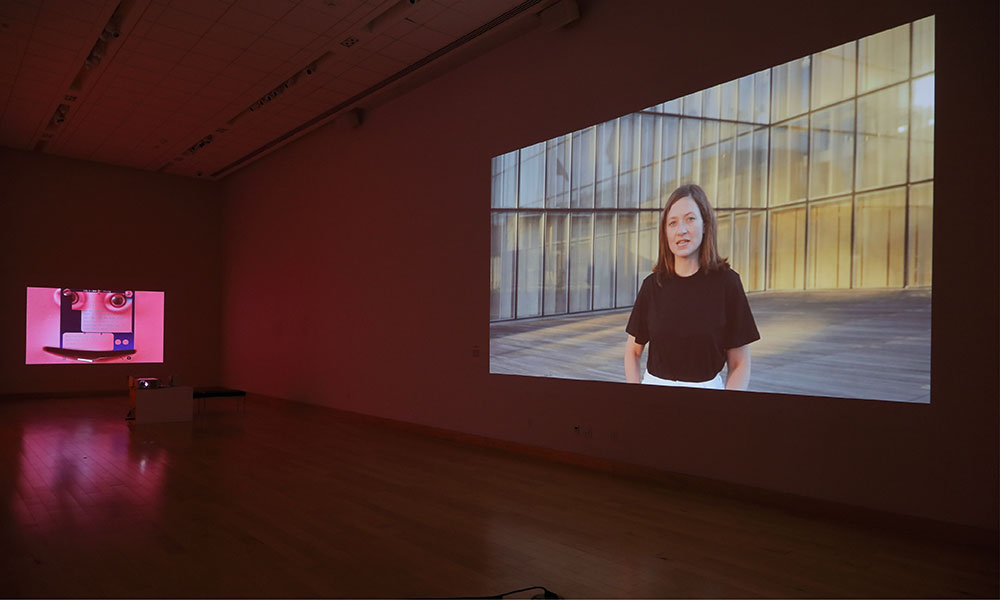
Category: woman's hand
<point>633,354</point>
<point>738,364</point>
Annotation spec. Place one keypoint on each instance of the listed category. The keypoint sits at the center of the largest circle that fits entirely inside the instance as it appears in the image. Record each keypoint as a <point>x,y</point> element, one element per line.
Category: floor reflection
<point>85,472</point>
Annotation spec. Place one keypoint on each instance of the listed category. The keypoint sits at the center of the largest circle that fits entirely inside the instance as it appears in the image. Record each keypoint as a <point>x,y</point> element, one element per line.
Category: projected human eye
<point>71,325</point>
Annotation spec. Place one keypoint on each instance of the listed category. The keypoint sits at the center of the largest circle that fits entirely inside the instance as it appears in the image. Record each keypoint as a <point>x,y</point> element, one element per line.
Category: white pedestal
<point>164,405</point>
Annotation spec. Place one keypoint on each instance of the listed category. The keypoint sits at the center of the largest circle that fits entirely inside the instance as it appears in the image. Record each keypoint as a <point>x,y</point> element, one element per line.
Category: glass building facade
<point>820,171</point>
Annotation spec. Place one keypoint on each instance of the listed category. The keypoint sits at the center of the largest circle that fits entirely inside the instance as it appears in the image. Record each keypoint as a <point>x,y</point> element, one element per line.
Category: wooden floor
<point>290,500</point>
<point>849,344</point>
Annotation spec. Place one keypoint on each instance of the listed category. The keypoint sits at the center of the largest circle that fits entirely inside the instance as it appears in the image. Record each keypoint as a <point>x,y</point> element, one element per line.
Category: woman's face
<point>684,228</point>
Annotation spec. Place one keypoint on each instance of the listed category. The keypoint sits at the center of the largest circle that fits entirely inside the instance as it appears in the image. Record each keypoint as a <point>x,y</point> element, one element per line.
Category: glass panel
<point>692,105</point>
<point>753,279</point>
<point>744,173</point>
<point>879,238</point>
<point>740,260</point>
<point>504,191</point>
<point>882,139</point>
<point>649,241</point>
<point>529,264</point>
<point>791,89</point>
<point>672,107</point>
<point>502,247</point>
<point>606,192</point>
<point>626,262</point>
<point>834,72</point>
<point>581,251</point>
<point>883,58</point>
<point>923,46</point>
<point>745,98</point>
<point>831,150</point>
<point>628,175</point>
<point>922,129</point>
<point>582,177</point>
<point>786,249</point>
<point>709,159</point>
<point>920,235</point>
<point>789,162</point>
<point>669,141</point>
<point>690,141</point>
<point>724,233</point>
<point>762,96</point>
<point>710,102</point>
<point>830,244</point>
<point>727,102</point>
<point>758,181</point>
<point>557,162</point>
<point>556,293</point>
<point>727,161</point>
<point>532,183</point>
<point>649,159</point>
<point>604,261</point>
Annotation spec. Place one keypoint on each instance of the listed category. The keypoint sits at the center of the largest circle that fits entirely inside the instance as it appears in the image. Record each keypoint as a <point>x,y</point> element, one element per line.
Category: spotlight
<point>110,32</point>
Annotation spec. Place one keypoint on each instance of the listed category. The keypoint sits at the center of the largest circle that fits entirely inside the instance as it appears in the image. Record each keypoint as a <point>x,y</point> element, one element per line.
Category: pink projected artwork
<point>71,326</point>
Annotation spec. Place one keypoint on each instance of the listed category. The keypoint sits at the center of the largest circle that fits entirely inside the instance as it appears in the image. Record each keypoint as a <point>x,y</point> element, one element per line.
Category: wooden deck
<point>852,344</point>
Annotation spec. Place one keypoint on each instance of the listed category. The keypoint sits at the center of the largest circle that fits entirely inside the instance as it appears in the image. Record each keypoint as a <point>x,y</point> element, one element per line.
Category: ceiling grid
<point>191,86</point>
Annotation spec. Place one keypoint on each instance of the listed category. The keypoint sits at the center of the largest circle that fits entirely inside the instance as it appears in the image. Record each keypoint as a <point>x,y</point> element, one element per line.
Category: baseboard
<point>21,396</point>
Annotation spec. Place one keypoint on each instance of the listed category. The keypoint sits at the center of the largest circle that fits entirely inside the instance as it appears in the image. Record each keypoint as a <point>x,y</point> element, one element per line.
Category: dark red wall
<point>358,261</point>
<point>71,223</point>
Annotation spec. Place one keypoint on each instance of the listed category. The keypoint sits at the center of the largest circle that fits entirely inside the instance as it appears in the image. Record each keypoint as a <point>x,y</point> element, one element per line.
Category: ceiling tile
<point>259,63</point>
<point>203,62</point>
<point>362,76</point>
<point>208,9</point>
<point>160,50</point>
<point>49,51</point>
<point>382,65</point>
<point>248,21</point>
<point>214,49</point>
<point>244,74</point>
<point>16,11</point>
<point>171,17</point>
<point>453,23</point>
<point>313,20</point>
<point>231,36</point>
<point>69,42</point>
<point>195,75</point>
<point>81,11</point>
<point>172,37</point>
<point>268,47</point>
<point>149,63</point>
<point>274,9</point>
<point>427,39</point>
<point>404,51</point>
<point>289,34</point>
<point>68,26</point>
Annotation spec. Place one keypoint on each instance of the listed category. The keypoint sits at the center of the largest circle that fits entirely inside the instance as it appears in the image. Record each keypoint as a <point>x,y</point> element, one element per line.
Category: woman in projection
<point>691,309</point>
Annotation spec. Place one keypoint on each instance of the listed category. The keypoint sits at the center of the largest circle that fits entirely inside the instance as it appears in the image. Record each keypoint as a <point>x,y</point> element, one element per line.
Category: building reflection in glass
<point>820,169</point>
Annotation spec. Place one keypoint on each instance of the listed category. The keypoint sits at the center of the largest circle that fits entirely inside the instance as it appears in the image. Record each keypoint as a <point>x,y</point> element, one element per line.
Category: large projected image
<point>810,183</point>
<point>65,325</point>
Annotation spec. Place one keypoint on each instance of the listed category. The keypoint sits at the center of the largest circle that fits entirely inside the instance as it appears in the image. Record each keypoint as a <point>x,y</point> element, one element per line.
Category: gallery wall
<point>73,223</point>
<point>357,262</point>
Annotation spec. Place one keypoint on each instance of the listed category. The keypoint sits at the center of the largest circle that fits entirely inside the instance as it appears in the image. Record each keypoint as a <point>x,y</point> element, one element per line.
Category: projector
<point>147,382</point>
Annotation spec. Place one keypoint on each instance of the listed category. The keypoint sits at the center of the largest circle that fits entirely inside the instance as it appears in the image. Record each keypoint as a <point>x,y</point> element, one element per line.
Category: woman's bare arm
<point>633,356</point>
<point>738,363</point>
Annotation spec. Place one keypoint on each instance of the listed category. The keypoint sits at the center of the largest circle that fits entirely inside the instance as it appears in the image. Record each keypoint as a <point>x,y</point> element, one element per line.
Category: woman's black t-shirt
<point>690,323</point>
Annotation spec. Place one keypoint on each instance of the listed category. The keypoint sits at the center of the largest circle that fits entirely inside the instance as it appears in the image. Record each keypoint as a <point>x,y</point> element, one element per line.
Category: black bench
<point>202,394</point>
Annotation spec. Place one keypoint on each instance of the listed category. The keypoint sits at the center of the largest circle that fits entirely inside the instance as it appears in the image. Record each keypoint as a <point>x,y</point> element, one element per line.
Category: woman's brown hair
<point>708,253</point>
